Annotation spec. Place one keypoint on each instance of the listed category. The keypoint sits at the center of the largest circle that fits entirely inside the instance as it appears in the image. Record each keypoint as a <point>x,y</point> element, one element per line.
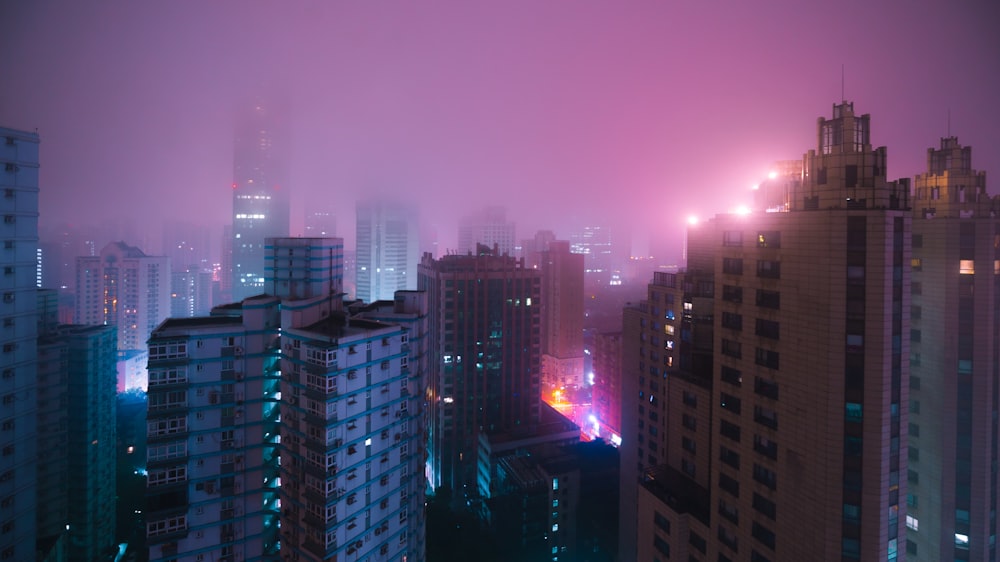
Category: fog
<point>627,114</point>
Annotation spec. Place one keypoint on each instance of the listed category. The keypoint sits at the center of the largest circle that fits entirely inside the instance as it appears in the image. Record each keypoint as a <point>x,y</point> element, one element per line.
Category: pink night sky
<point>633,114</point>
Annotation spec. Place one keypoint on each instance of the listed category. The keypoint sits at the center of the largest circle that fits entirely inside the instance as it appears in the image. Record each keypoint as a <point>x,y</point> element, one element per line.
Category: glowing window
<point>967,267</point>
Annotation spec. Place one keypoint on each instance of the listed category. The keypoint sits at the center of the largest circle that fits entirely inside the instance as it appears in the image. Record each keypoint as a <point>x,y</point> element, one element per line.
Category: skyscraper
<point>488,227</point>
<point>260,198</point>
<point>125,288</point>
<point>954,384</point>
<point>802,458</point>
<point>484,358</point>
<point>18,360</point>
<point>388,245</point>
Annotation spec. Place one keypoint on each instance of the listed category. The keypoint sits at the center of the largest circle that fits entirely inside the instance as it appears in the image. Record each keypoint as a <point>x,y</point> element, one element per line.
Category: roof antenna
<point>843,97</point>
<point>949,122</point>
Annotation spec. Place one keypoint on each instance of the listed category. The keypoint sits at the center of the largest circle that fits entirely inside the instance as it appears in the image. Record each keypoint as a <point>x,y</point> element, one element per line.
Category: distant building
<point>260,198</point>
<point>596,245</point>
<point>320,222</point>
<point>190,292</point>
<point>489,228</point>
<point>562,301</point>
<point>387,247</point>
<point>18,354</point>
<point>485,318</point>
<point>952,447</point>
<point>124,288</point>
<point>532,248</point>
<point>788,441</point>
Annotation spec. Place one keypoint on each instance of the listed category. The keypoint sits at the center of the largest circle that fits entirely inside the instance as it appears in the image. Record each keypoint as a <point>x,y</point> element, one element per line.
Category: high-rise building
<point>18,338</point>
<point>562,316</point>
<point>125,288</point>
<point>350,427</point>
<point>489,228</point>
<point>387,249</point>
<point>76,440</point>
<point>606,394</point>
<point>260,198</point>
<point>595,243</point>
<point>320,223</point>
<point>485,331</point>
<point>792,447</point>
<point>954,387</point>
<point>190,292</point>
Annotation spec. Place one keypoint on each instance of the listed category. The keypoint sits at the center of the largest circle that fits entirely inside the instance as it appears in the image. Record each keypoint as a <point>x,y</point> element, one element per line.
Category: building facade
<point>18,357</point>
<point>291,373</point>
<point>952,496</point>
<point>485,329</point>
<point>125,288</point>
<point>562,316</point>
<point>805,402</point>
<point>77,440</point>
<point>388,246</point>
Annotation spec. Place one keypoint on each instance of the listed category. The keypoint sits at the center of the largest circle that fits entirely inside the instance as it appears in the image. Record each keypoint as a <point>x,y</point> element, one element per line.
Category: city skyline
<point>468,106</point>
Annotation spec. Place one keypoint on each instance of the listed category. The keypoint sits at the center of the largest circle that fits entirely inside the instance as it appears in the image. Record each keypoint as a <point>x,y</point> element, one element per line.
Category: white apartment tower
<point>18,335</point>
<point>123,287</point>
<point>349,427</point>
<point>388,246</point>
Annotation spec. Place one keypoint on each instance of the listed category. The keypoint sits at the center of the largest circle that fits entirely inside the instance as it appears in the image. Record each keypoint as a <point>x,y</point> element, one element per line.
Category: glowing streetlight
<point>742,210</point>
<point>692,220</point>
<point>772,175</point>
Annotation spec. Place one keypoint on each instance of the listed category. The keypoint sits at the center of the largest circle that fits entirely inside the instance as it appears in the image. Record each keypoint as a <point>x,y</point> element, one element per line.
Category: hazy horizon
<point>632,116</point>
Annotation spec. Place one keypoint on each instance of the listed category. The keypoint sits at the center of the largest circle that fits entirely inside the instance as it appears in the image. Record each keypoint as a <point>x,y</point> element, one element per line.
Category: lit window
<point>912,523</point>
<point>967,267</point>
<point>555,483</point>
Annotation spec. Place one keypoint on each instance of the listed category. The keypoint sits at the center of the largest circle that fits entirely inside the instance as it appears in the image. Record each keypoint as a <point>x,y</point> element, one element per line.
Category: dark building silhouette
<point>485,330</point>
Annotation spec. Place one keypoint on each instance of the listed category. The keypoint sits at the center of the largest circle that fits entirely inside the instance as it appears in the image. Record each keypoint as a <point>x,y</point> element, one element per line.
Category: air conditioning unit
<point>238,350</point>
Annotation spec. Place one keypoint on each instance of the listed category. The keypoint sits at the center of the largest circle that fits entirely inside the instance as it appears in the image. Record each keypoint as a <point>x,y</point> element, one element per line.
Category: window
<point>729,484</point>
<point>769,269</point>
<point>689,422</point>
<point>730,403</point>
<point>765,476</point>
<point>765,446</point>
<point>768,328</point>
<point>763,535</point>
<point>661,522</point>
<point>766,358</point>
<point>764,506</point>
<point>733,294</point>
<point>730,430</point>
<point>769,239</point>
<point>729,457</point>
<point>765,416</point>
<point>688,444</point>
<point>731,376</point>
<point>732,321</point>
<point>732,266</point>
<point>732,238</point>
<point>765,387</point>
<point>731,348</point>
<point>768,299</point>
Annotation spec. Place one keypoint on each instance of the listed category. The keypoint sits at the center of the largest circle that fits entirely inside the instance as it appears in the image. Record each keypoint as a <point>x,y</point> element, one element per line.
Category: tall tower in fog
<point>488,227</point>
<point>260,198</point>
<point>387,238</point>
<point>18,358</point>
